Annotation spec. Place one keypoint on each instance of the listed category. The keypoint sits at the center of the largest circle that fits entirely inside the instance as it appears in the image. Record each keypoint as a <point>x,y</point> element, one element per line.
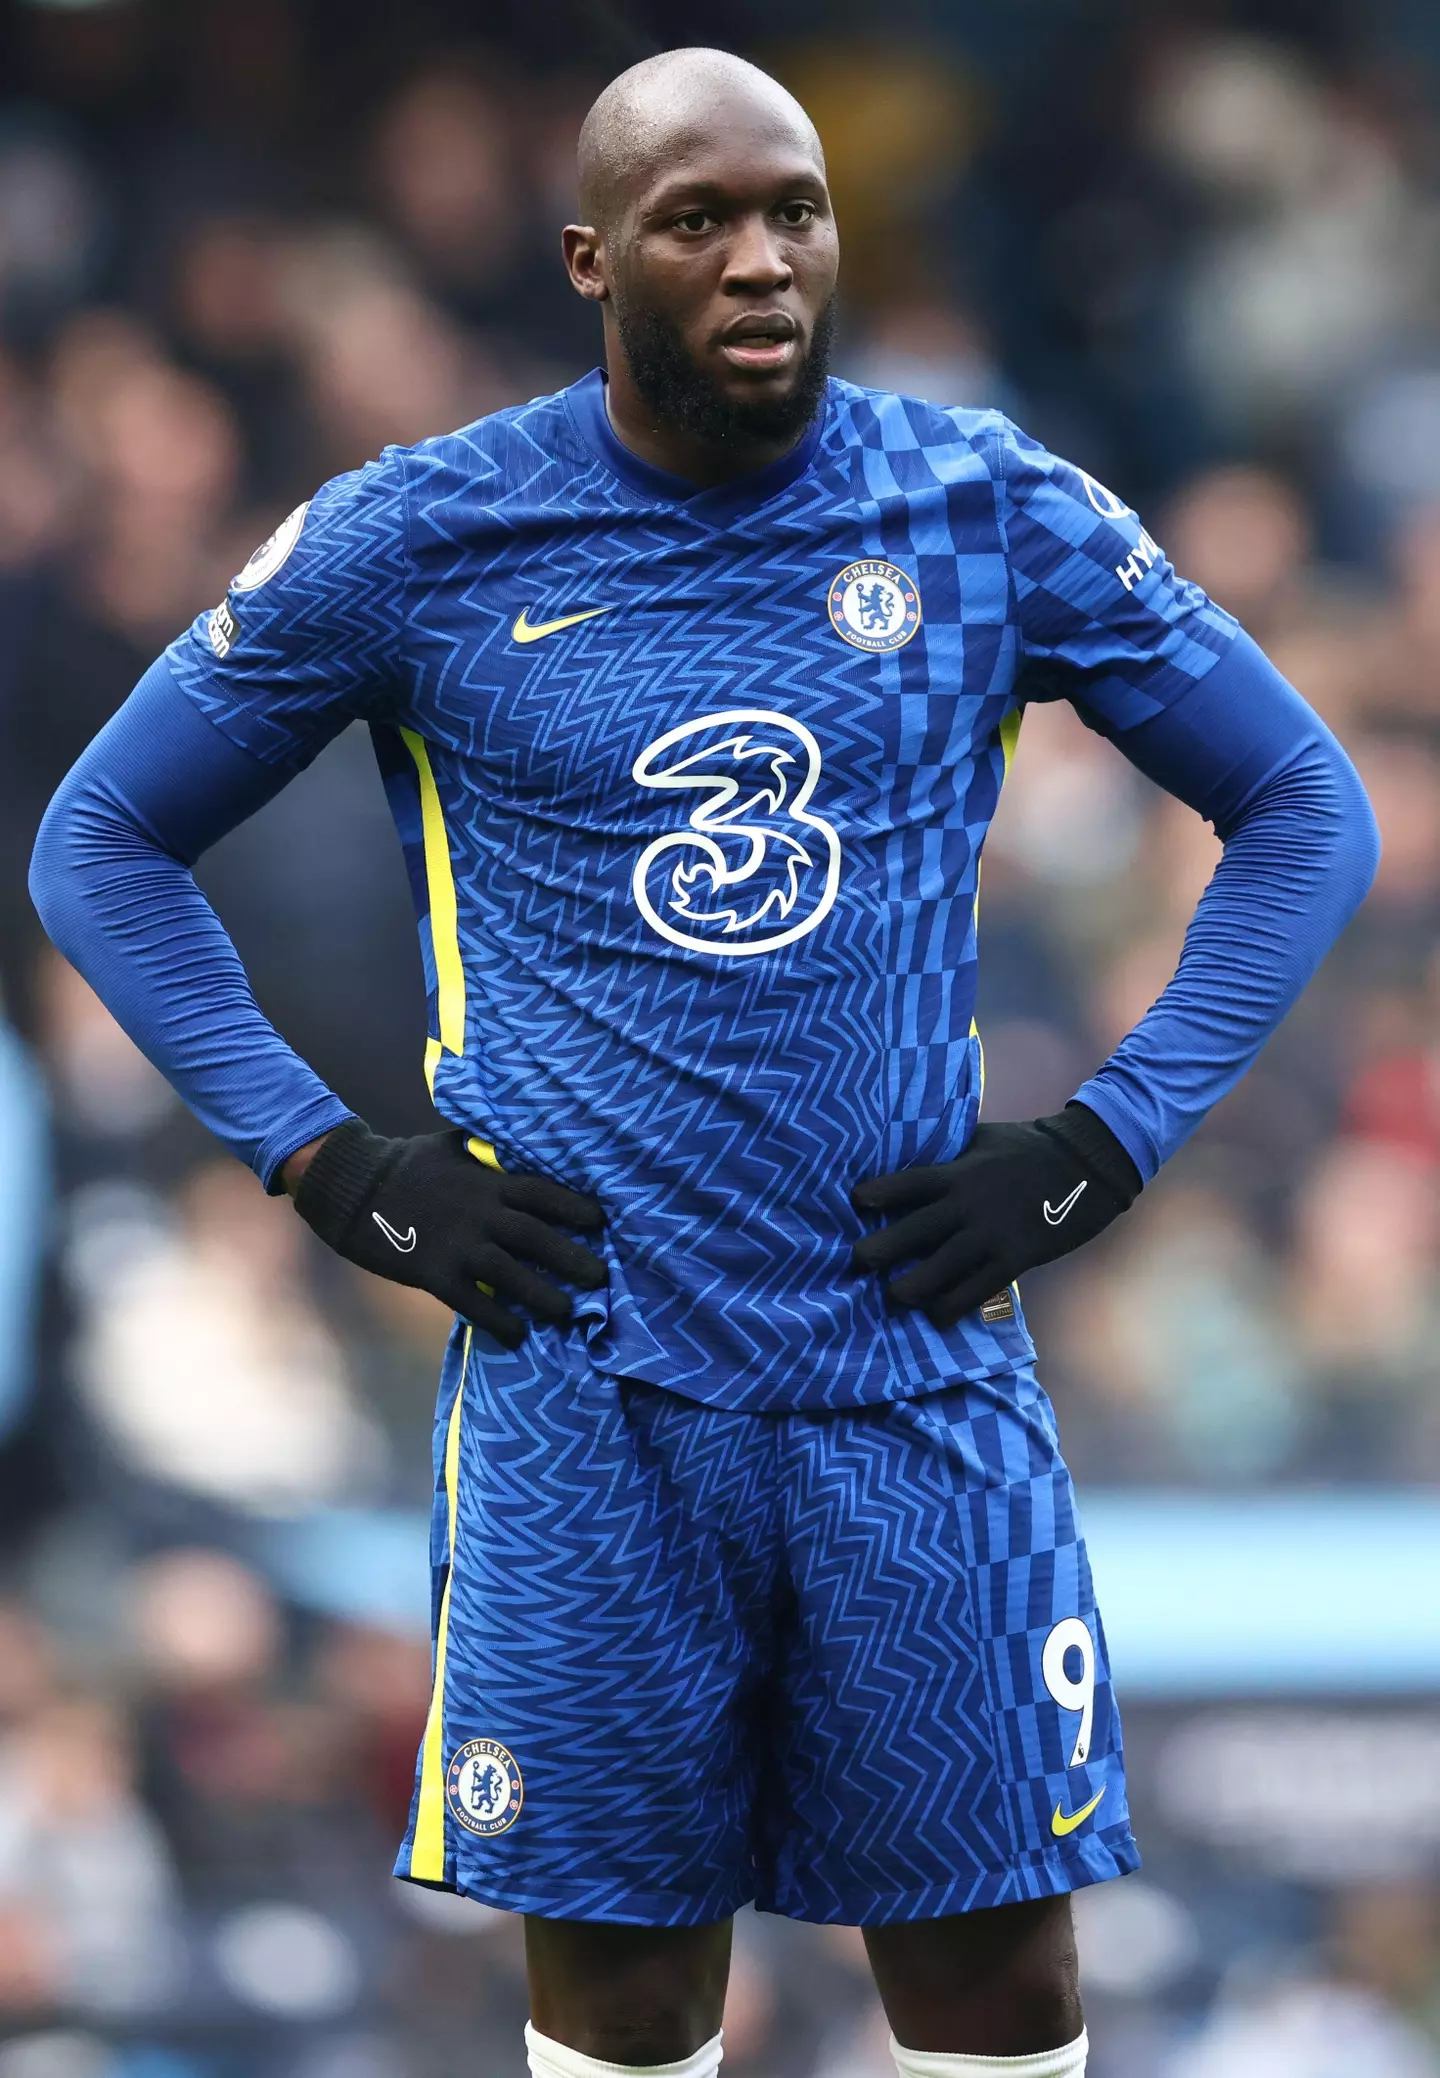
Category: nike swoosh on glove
<point>1019,1196</point>
<point>425,1212</point>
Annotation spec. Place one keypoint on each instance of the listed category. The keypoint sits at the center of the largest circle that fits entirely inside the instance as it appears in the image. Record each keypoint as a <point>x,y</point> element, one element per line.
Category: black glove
<point>426,1213</point>
<point>1020,1195</point>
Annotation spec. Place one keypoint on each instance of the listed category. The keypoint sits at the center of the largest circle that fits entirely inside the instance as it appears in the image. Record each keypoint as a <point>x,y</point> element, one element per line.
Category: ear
<point>584,251</point>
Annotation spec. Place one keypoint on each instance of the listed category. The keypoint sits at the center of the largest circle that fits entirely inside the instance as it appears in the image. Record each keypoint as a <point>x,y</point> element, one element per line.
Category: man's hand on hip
<point>1019,1196</point>
<point>425,1212</point>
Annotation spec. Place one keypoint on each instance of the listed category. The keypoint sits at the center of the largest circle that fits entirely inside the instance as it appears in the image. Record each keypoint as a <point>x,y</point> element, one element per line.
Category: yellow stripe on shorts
<point>427,1850</point>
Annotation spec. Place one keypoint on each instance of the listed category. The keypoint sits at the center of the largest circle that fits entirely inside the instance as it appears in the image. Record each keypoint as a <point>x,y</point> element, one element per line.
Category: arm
<point>111,880</point>
<point>308,641</point>
<point>1246,752</point>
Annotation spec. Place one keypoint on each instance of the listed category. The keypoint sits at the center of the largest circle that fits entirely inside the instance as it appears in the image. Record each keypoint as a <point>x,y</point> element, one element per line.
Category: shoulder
<point>493,456</point>
<point>952,439</point>
<point>440,491</point>
<point>481,462</point>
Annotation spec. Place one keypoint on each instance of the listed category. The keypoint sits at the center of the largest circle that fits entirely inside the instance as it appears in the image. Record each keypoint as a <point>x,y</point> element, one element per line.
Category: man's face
<point>722,273</point>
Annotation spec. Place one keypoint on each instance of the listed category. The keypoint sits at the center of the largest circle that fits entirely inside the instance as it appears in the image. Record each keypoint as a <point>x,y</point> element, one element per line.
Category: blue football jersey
<point>693,787</point>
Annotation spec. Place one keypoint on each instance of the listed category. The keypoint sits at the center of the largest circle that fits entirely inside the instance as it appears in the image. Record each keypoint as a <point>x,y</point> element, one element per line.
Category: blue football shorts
<point>846,1665</point>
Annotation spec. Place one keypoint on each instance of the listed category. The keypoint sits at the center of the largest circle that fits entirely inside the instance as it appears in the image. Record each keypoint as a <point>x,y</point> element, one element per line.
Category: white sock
<point>553,2060</point>
<point>1051,2063</point>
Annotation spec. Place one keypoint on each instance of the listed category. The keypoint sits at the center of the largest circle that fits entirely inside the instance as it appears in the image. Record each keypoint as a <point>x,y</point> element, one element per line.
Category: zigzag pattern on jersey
<point>721,1114</point>
<point>740,1655</point>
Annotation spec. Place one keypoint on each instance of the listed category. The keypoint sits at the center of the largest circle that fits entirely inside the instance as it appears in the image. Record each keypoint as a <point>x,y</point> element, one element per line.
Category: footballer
<point>756,1568</point>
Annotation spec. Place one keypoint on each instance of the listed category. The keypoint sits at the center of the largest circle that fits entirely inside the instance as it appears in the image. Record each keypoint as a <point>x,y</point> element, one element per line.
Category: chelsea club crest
<point>874,605</point>
<point>483,1787</point>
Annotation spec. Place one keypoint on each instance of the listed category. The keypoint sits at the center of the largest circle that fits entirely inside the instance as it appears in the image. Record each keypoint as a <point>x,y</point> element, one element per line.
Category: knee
<point>1045,2005</point>
<point>633,1996</point>
<point>637,2048</point>
<point>660,2033</point>
<point>1040,1978</point>
<point>1040,1953</point>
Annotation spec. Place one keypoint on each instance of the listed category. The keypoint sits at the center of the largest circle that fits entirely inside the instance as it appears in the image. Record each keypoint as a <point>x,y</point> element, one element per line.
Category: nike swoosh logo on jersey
<point>404,1242</point>
<point>1060,1825</point>
<point>523,632</point>
<point>1055,1213</point>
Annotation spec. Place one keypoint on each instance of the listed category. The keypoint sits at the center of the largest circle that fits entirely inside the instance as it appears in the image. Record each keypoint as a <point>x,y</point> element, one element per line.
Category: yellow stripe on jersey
<point>444,915</point>
<point>1009,737</point>
<point>427,1850</point>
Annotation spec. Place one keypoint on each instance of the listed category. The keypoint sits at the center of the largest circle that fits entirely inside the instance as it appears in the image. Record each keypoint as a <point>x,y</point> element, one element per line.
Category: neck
<point>668,447</point>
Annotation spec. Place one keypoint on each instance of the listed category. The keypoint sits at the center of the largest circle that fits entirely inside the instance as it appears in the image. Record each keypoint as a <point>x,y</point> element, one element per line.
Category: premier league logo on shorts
<point>874,605</point>
<point>483,1787</point>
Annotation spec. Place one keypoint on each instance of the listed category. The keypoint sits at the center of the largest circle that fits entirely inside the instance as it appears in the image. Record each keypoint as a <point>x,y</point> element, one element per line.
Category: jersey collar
<point>586,400</point>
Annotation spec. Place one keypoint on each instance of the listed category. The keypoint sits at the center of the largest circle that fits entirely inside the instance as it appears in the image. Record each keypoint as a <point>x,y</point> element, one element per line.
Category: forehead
<point>734,150</point>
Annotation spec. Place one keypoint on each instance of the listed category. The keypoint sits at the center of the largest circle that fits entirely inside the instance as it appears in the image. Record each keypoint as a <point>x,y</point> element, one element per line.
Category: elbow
<point>60,864</point>
<point>1333,824</point>
<point>1359,847</point>
<point>48,869</point>
<point>1371,861</point>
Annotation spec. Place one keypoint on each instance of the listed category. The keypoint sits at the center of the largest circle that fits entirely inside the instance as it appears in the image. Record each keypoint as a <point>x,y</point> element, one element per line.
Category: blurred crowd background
<point>1192,246</point>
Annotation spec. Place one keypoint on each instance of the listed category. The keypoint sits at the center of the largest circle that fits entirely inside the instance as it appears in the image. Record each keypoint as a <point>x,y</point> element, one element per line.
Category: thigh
<point>585,1756</point>
<point>951,1739</point>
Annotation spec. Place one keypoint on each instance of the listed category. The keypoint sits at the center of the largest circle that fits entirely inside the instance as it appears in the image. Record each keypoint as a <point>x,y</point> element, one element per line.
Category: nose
<point>755,262</point>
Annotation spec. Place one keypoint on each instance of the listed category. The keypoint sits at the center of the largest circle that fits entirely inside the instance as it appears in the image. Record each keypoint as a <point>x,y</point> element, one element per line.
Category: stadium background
<point>1191,246</point>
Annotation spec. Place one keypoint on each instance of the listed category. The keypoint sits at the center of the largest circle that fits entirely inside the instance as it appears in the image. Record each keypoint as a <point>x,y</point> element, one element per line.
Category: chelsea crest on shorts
<point>483,1787</point>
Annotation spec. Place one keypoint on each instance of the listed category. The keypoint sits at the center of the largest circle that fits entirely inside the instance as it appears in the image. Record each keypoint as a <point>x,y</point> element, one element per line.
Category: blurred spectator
<point>1321,257</point>
<point>1410,659</point>
<point>1180,1339</point>
<point>380,363</point>
<point>24,1216</point>
<point>381,1684</point>
<point>228,297</point>
<point>446,174</point>
<point>1365,1305</point>
<point>930,350</point>
<point>1243,536</point>
<point>87,1894</point>
<point>209,1368</point>
<point>50,223</point>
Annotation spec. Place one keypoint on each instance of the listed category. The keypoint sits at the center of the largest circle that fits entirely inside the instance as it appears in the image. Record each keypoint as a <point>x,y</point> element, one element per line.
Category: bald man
<point>756,1566</point>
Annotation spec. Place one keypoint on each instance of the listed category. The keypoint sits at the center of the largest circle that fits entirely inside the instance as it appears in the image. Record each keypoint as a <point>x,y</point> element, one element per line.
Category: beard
<point>685,396</point>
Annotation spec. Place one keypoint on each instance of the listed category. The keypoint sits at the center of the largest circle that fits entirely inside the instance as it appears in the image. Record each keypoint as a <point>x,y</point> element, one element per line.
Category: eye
<point>797,213</point>
<point>694,221</point>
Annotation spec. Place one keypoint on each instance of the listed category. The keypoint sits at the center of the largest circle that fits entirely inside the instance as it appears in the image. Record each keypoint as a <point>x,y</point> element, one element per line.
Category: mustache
<point>685,395</point>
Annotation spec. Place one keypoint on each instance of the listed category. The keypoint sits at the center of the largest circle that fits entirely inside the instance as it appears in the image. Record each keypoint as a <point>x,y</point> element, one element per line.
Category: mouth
<point>762,341</point>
